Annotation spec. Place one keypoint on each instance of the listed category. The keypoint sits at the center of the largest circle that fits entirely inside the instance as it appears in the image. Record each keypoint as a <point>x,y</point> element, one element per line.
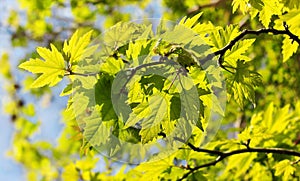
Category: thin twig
<point>223,155</point>
<point>82,74</point>
<point>245,32</point>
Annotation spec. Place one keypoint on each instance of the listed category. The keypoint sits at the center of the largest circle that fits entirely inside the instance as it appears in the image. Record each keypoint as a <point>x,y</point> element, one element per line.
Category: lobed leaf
<point>77,47</point>
<point>52,69</point>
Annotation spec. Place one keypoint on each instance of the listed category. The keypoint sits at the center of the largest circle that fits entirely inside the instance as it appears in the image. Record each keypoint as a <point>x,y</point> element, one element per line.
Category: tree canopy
<point>157,90</point>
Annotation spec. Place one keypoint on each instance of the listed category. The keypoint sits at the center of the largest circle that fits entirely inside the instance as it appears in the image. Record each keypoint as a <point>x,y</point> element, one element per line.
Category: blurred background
<point>35,116</point>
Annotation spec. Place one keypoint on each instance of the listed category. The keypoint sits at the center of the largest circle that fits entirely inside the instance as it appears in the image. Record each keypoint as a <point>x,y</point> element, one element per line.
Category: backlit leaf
<point>77,47</point>
<point>288,48</point>
<point>52,69</point>
<point>284,167</point>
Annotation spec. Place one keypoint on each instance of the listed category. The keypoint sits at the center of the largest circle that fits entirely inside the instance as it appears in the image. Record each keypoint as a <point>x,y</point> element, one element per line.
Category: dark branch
<point>222,51</point>
<point>223,155</point>
<point>82,74</point>
<point>212,152</point>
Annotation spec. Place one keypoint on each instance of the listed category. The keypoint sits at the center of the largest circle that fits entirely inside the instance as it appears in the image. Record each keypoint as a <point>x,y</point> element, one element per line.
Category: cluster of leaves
<point>139,85</point>
<point>161,99</point>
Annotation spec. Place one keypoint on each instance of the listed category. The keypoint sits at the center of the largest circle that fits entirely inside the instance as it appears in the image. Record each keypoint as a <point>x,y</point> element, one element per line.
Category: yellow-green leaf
<point>77,47</point>
<point>241,4</point>
<point>288,48</point>
<point>52,69</point>
<point>190,22</point>
<point>269,9</point>
<point>284,167</point>
<point>237,52</point>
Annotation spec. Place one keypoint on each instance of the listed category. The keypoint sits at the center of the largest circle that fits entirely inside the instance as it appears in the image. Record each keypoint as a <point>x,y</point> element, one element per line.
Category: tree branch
<point>245,32</point>
<point>223,155</point>
<point>82,74</point>
<point>212,152</point>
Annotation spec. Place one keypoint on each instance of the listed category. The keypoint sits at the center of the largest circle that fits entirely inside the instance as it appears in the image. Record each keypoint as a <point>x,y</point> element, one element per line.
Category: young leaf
<point>80,103</point>
<point>112,66</point>
<point>96,132</point>
<point>67,90</point>
<point>159,105</point>
<point>190,22</point>
<point>288,48</point>
<point>103,98</point>
<point>221,37</point>
<point>284,167</point>
<point>241,163</point>
<point>150,133</point>
<point>154,168</point>
<point>241,85</point>
<point>269,9</point>
<point>242,4</point>
<point>52,69</point>
<point>237,52</point>
<point>140,112</point>
<point>76,49</point>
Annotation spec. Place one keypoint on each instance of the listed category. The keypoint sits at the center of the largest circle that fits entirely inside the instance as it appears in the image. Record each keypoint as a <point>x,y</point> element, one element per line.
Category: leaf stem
<point>81,74</point>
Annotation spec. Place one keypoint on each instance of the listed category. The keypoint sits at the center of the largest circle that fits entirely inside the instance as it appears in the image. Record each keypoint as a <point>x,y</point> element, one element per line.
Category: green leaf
<point>212,103</point>
<point>76,49</point>
<point>103,98</point>
<point>149,134</point>
<point>292,19</point>
<point>129,135</point>
<point>190,22</point>
<point>190,103</point>
<point>95,131</point>
<point>236,52</point>
<point>154,168</point>
<point>80,103</point>
<point>269,8</point>
<point>175,108</point>
<point>241,4</point>
<point>52,69</point>
<point>67,90</point>
<point>240,162</point>
<point>284,167</point>
<point>70,172</point>
<point>199,77</point>
<point>255,133</point>
<point>87,82</point>
<point>197,176</point>
<point>241,85</point>
<point>197,27</point>
<point>159,105</point>
<point>139,112</point>
<point>288,48</point>
<point>138,50</point>
<point>29,110</point>
<point>221,37</point>
<point>277,120</point>
<point>135,93</point>
<point>112,66</point>
<point>168,126</point>
<point>292,3</point>
<point>121,34</point>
